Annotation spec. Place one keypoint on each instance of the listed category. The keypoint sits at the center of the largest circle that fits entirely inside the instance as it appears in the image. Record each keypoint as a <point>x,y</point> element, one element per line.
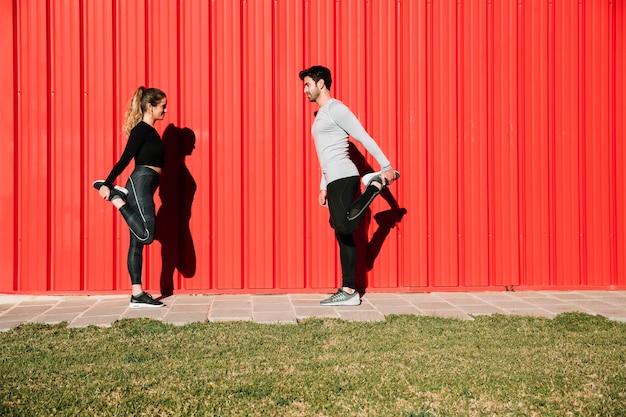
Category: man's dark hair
<point>317,72</point>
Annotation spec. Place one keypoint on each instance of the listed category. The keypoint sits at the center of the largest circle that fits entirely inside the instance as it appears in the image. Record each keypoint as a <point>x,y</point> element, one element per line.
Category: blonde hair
<point>137,106</point>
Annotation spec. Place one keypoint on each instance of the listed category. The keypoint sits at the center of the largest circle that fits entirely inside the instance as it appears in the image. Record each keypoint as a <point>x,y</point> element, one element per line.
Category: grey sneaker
<point>342,298</point>
<point>144,300</point>
<point>375,176</point>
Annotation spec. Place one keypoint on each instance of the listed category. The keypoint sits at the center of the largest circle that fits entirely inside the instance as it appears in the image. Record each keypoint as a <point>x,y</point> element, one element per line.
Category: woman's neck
<point>148,119</point>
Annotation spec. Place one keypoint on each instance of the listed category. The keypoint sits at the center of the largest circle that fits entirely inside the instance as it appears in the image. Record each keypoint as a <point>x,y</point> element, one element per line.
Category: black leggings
<point>343,205</point>
<point>139,214</point>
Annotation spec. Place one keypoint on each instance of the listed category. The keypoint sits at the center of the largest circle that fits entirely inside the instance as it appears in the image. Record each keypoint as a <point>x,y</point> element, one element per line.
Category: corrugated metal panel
<point>503,117</point>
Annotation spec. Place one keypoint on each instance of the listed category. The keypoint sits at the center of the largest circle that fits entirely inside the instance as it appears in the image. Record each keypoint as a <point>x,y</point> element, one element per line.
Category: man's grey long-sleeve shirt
<point>333,124</point>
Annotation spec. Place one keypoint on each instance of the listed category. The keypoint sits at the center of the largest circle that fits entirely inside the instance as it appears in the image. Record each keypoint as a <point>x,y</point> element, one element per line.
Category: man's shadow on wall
<point>177,189</point>
<point>368,250</point>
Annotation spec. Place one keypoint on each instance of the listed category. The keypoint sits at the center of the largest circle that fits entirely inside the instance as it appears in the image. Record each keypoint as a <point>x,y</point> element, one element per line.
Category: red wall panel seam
<point>461,239</point>
<point>491,247</point>
<point>552,272</point>
<point>521,88</point>
<point>582,146</point>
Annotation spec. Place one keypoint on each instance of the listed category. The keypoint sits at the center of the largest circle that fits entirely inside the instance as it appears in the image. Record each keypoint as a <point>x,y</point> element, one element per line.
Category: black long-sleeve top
<point>145,145</point>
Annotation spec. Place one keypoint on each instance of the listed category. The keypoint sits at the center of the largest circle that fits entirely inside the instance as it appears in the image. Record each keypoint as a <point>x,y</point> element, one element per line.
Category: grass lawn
<point>411,366</point>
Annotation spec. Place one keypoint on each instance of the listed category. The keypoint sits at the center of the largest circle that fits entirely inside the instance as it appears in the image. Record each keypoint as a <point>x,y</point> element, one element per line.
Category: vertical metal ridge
<point>49,94</point>
<point>430,142</point>
<point>521,121</point>
<point>274,266</point>
<point>582,150</point>
<point>491,169</point>
<point>82,163</point>
<point>552,209</point>
<point>461,235</point>
<point>612,144</point>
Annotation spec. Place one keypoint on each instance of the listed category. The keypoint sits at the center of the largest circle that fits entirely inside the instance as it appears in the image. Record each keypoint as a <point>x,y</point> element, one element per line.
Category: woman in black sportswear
<point>136,201</point>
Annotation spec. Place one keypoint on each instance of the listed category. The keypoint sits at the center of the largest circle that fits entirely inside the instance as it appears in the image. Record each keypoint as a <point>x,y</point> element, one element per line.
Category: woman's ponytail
<point>134,114</point>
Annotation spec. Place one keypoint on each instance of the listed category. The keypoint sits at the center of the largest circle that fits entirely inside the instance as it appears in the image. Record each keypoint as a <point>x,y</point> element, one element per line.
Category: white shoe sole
<point>368,177</point>
<point>143,305</point>
<point>117,187</point>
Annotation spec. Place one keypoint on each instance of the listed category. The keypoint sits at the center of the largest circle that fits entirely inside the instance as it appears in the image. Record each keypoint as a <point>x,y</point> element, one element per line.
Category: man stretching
<point>334,122</point>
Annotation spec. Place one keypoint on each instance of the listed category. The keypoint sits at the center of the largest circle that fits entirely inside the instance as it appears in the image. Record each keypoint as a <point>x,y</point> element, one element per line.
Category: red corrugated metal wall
<point>506,119</point>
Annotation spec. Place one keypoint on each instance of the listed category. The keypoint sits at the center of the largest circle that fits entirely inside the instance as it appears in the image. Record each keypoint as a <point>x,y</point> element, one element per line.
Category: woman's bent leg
<point>139,210</point>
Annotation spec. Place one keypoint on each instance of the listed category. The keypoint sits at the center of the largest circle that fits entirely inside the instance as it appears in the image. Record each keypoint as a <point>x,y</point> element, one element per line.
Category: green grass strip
<point>411,366</point>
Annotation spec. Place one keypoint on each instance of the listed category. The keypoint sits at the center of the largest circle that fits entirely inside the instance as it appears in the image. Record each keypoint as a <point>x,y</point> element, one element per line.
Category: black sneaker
<point>144,300</point>
<point>116,192</point>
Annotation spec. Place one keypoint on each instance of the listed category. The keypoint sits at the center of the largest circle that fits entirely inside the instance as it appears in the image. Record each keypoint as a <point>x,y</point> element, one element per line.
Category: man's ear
<point>320,86</point>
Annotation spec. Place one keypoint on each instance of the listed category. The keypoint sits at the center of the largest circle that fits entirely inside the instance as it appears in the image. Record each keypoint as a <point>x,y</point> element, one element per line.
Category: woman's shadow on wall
<point>177,189</point>
<point>385,220</point>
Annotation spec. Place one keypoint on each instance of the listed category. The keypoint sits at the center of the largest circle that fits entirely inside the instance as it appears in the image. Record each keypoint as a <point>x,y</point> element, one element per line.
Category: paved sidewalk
<point>81,311</point>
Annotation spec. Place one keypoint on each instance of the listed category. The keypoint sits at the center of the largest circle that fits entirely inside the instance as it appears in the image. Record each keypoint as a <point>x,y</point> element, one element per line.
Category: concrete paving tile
<point>100,321</point>
<point>191,300</point>
<point>104,311</point>
<point>22,319</point>
<point>618,301</point>
<point>55,318</point>
<point>232,303</point>
<point>39,303</point>
<point>28,309</point>
<point>183,318</point>
<point>307,296</point>
<point>9,325</point>
<point>274,317</point>
<point>306,303</point>
<point>481,309</point>
<point>532,301</point>
<point>189,308</point>
<point>611,313</point>
<point>455,295</point>
<point>258,308</point>
<point>510,304</point>
<point>5,307</point>
<point>433,305</point>
<point>398,309</point>
<point>415,298</point>
<point>151,313</point>
<point>561,308</point>
<point>529,294</point>
<point>569,296</point>
<point>318,311</point>
<point>230,314</point>
<point>593,305</point>
<point>360,315</point>
<point>448,313</point>
<point>112,303</point>
<point>365,306</point>
<point>270,299</point>
<point>224,297</point>
<point>380,296</point>
<point>533,312</point>
<point>499,295</point>
<point>65,309</point>
<point>387,301</point>
<point>78,302</point>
